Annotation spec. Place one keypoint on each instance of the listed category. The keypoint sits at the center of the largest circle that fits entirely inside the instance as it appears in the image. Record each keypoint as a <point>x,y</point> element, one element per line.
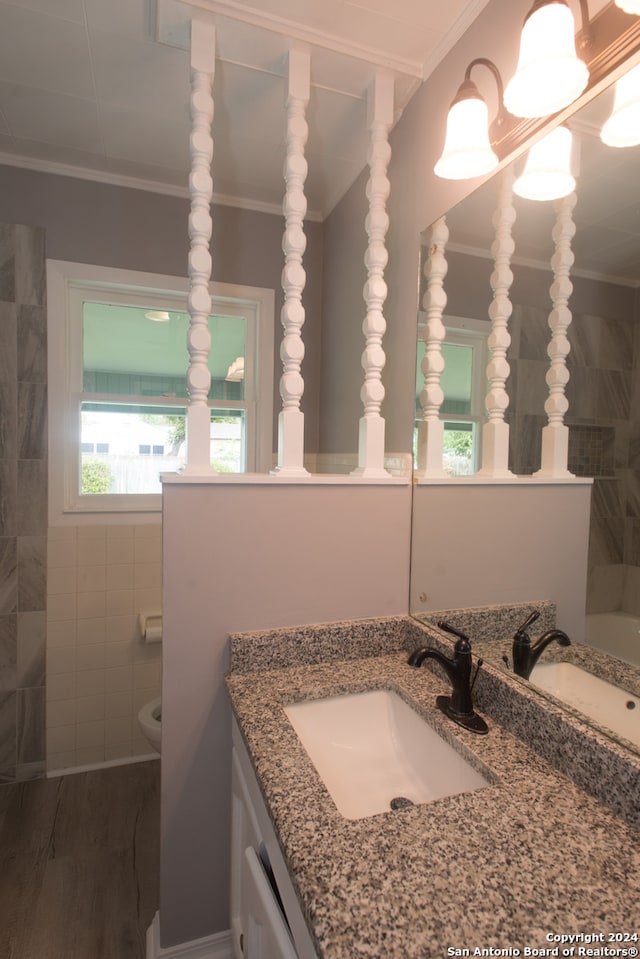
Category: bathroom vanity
<point>527,858</point>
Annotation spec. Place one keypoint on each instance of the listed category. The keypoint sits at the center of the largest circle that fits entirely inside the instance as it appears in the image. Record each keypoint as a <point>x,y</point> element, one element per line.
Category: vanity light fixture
<point>547,172</point>
<point>549,75</point>
<point>467,149</point>
<point>629,6</point>
<point>622,129</point>
<point>157,316</point>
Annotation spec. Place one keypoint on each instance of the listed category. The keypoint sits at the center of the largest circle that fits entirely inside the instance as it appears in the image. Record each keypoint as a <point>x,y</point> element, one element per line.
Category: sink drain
<point>401,802</point>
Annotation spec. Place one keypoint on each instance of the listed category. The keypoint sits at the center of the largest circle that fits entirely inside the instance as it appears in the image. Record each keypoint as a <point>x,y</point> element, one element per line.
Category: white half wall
<point>238,558</point>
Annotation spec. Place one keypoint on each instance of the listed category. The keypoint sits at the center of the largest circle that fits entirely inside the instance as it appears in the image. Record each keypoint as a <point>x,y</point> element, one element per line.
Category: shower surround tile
<point>23,501</point>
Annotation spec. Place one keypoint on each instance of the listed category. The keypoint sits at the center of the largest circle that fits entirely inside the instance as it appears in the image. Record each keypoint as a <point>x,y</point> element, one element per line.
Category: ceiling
<point>100,88</point>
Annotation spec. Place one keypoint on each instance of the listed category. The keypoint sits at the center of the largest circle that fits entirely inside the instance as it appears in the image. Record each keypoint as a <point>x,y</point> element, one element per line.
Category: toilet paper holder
<point>150,626</point>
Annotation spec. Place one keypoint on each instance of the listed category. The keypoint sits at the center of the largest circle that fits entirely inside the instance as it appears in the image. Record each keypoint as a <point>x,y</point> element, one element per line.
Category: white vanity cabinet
<point>258,925</point>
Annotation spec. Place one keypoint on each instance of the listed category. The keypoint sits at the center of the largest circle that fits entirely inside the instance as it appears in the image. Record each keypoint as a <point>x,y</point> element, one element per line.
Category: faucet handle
<point>531,618</point>
<point>441,624</point>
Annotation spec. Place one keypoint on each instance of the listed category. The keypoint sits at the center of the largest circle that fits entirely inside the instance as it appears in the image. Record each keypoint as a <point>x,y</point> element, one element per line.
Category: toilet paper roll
<point>150,625</point>
<point>152,634</point>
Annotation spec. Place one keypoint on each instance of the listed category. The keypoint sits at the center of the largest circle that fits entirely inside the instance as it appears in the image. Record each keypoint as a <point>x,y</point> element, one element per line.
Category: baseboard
<point>107,764</point>
<point>218,946</point>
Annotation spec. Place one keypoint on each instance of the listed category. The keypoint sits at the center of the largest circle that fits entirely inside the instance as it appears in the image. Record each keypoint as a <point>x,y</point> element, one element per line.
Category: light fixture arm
<point>469,89</point>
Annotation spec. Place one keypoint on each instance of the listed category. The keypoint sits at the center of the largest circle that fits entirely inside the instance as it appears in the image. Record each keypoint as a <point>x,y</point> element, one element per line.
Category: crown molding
<point>141,183</point>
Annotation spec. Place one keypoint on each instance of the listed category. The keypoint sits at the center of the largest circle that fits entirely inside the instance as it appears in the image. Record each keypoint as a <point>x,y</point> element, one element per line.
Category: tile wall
<point>23,501</point>
<point>604,421</point>
<point>99,672</point>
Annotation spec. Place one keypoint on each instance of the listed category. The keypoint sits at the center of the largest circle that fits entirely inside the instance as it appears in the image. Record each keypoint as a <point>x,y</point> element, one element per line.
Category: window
<point>119,359</point>
<point>463,382</point>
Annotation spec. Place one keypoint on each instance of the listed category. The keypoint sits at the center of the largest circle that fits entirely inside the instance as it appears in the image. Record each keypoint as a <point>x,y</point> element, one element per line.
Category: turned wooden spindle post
<point>291,418</point>
<point>555,435</point>
<point>495,432</point>
<point>372,426</point>
<point>199,263</point>
<point>431,427</point>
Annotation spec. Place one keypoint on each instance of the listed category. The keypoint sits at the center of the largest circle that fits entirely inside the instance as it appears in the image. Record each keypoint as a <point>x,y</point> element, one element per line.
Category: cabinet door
<point>265,934</point>
<point>244,832</point>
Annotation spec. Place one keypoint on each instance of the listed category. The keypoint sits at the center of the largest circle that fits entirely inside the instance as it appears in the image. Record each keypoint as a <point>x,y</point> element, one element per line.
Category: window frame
<point>68,286</point>
<point>473,333</point>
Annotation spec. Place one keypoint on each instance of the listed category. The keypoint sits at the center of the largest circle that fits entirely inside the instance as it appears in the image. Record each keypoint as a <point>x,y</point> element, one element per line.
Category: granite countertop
<point>528,855</point>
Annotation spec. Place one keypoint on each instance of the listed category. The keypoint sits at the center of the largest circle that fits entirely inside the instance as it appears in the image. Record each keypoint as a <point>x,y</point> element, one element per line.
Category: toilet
<point>150,724</point>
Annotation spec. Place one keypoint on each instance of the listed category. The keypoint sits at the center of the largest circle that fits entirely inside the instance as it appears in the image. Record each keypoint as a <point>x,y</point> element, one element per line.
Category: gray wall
<point>23,502</point>
<point>239,557</point>
<point>417,198</point>
<point>492,553</point>
<point>88,222</point>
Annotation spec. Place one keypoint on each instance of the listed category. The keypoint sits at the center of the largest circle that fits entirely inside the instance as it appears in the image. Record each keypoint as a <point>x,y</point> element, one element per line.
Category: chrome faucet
<point>524,655</point>
<point>458,706</point>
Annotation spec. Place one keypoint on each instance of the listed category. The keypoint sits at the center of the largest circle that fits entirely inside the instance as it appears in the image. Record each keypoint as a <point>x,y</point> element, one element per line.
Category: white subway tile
<point>61,633</point>
<point>61,579</point>
<point>91,605</point>
<point>118,679</point>
<point>91,534</point>
<point>90,734</point>
<point>120,576</point>
<point>118,654</point>
<point>148,576</point>
<point>90,657</point>
<point>147,551</point>
<point>119,602</point>
<point>61,553</point>
<point>89,755</point>
<point>92,552</point>
<point>90,682</point>
<point>118,750</point>
<point>122,629</point>
<point>115,533</point>
<point>61,713</point>
<point>63,760</point>
<point>146,675</point>
<point>148,599</point>
<point>61,739</point>
<point>147,652</point>
<point>60,659</point>
<point>61,686</point>
<point>61,606</point>
<point>91,631</point>
<point>120,552</point>
<point>117,730</point>
<point>92,579</point>
<point>117,705</point>
<point>90,709</point>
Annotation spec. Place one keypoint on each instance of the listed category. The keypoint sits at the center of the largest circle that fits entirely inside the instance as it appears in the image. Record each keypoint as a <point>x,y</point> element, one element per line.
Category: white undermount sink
<point>371,748</point>
<point>601,701</point>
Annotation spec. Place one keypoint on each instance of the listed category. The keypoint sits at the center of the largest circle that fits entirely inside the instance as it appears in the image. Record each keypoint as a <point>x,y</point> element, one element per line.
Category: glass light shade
<point>547,172</point>
<point>467,151</point>
<point>549,75</point>
<point>629,6</point>
<point>622,129</point>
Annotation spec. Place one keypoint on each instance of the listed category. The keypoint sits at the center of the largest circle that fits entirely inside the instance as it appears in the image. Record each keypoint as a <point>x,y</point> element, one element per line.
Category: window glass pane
<point>456,378</point>
<point>133,351</point>
<point>458,448</point>
<point>142,442</point>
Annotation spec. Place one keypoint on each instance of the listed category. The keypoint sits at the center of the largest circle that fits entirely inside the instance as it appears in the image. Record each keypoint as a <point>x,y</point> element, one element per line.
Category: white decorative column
<point>555,436</point>
<point>372,427</point>
<point>495,432</point>
<point>431,428</point>
<point>199,265</point>
<point>291,418</point>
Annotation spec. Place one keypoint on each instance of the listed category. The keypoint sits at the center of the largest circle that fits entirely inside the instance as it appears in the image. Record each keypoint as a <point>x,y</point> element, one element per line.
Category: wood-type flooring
<point>79,864</point>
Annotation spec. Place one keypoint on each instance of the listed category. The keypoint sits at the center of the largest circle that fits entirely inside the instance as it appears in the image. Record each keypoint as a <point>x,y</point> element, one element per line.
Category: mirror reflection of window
<point>463,382</point>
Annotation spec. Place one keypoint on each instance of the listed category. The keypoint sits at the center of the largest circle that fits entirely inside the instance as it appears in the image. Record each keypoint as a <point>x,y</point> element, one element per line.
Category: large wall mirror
<point>603,390</point>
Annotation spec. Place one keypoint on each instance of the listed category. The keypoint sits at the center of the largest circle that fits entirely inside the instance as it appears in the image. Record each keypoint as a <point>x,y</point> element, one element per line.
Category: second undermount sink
<point>372,751</point>
<point>604,703</point>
